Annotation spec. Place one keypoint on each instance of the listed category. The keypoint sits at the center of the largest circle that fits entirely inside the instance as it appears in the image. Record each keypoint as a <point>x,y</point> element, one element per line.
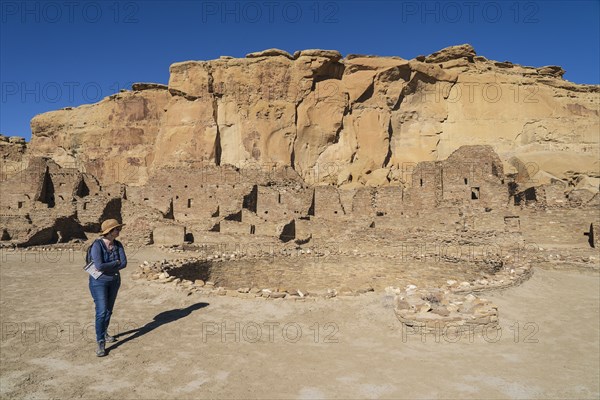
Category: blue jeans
<point>104,292</point>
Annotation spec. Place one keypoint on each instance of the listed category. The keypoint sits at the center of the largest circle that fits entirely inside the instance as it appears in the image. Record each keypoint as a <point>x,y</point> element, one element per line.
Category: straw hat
<point>109,225</point>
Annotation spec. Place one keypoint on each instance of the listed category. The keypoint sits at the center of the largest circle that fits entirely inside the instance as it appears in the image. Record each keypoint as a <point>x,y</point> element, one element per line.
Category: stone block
<point>168,235</point>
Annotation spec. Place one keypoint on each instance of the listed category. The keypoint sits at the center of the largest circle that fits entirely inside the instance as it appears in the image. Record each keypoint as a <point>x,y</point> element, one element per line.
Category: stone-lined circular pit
<point>327,276</point>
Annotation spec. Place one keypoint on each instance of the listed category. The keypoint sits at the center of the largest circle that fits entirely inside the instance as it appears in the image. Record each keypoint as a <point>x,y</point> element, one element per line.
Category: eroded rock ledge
<point>355,117</point>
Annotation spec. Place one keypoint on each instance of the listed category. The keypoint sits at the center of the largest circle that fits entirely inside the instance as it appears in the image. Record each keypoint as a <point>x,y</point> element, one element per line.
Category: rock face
<point>333,120</point>
<point>312,147</point>
<point>12,149</point>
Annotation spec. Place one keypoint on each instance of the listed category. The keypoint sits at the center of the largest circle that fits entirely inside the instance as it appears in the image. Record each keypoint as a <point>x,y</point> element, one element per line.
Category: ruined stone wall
<point>389,201</point>
<point>21,186</point>
<point>426,188</point>
<point>185,205</point>
<point>91,209</point>
<point>327,203</point>
<point>363,202</point>
<point>187,195</point>
<point>282,203</point>
<point>558,227</point>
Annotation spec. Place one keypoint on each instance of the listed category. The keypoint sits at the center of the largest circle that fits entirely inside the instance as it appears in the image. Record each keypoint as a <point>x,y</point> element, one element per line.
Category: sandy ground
<point>177,346</point>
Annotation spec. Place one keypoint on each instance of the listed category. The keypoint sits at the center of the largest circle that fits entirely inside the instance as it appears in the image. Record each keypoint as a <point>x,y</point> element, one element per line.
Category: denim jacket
<point>108,262</point>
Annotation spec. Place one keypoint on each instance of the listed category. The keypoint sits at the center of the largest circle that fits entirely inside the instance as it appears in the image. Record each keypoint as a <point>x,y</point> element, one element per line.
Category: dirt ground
<point>174,346</point>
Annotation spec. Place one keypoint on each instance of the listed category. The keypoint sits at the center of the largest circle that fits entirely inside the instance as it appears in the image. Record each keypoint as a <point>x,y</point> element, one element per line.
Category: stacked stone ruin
<point>45,203</point>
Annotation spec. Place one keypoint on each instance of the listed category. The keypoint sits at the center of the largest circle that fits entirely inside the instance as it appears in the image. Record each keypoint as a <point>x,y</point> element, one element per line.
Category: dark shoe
<point>109,339</point>
<point>101,352</point>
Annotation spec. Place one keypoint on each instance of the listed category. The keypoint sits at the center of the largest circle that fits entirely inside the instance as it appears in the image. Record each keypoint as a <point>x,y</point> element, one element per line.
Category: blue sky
<point>56,54</point>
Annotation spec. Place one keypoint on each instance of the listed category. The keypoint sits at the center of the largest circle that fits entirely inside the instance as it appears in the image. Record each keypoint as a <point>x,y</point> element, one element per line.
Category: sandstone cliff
<point>358,120</point>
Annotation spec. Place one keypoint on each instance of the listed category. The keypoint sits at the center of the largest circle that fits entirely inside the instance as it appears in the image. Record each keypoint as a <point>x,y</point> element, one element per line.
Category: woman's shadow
<point>159,319</point>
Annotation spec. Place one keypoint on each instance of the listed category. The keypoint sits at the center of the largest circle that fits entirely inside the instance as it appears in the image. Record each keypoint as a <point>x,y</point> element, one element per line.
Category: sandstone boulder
<point>148,86</point>
<point>331,54</point>
<point>270,53</point>
<point>551,70</point>
<point>451,53</point>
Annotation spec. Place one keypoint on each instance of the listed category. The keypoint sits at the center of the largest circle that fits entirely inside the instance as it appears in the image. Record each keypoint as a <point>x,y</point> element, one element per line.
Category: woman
<point>109,258</point>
